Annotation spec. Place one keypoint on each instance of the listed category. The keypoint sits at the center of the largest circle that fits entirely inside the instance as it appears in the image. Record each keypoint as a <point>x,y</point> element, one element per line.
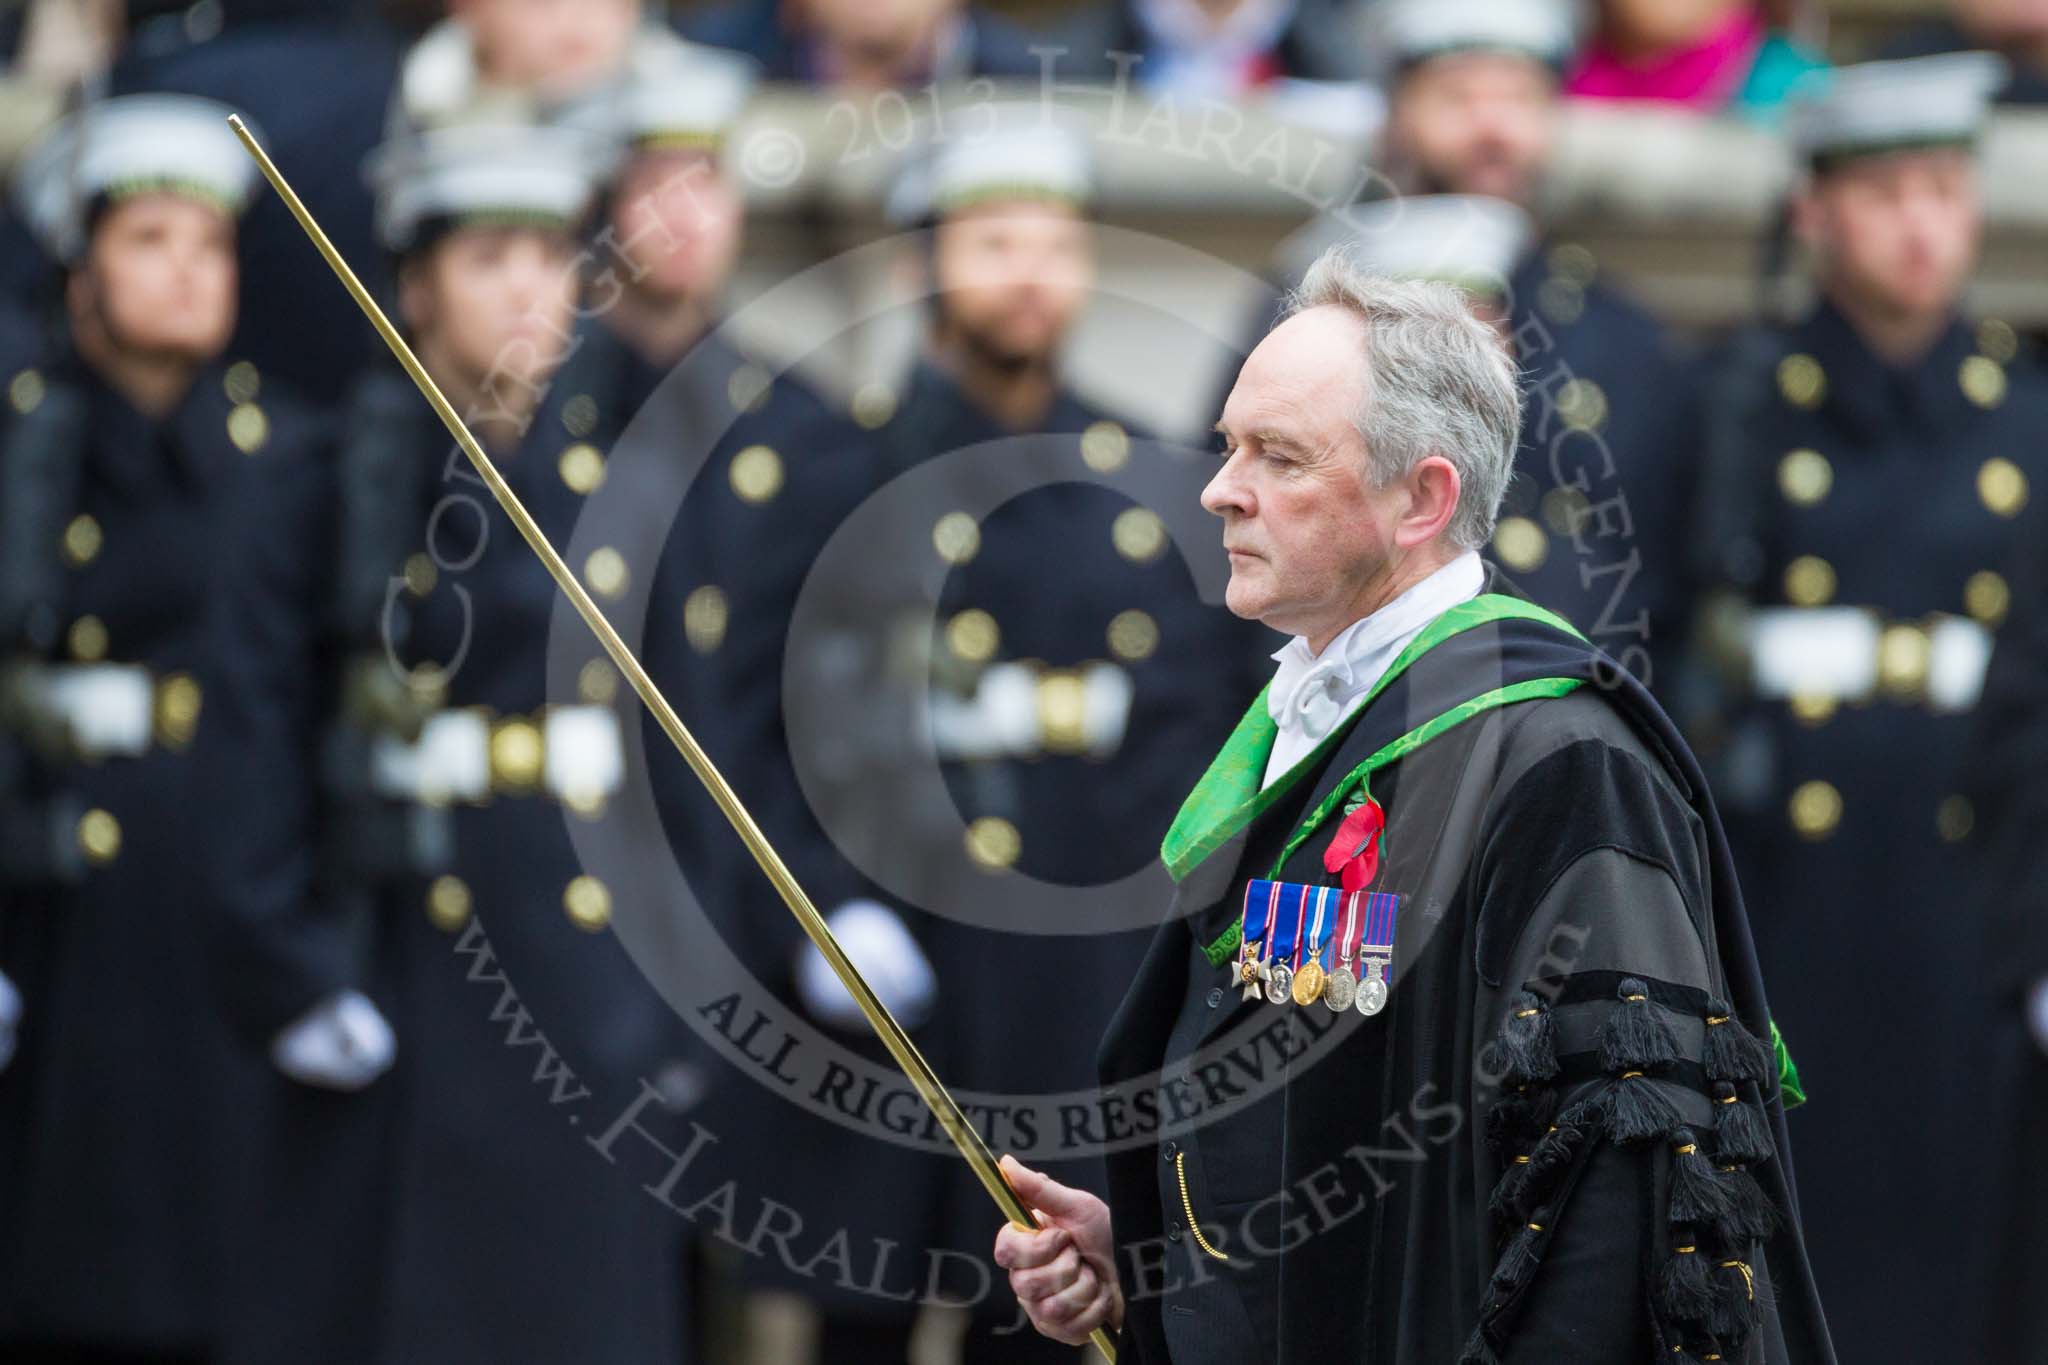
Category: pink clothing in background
<point>1703,77</point>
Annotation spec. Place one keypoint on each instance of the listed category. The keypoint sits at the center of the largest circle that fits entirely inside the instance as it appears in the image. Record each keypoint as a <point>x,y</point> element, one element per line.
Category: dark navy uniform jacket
<point>123,1119</point>
<point>1866,513</point>
<point>477,1221</point>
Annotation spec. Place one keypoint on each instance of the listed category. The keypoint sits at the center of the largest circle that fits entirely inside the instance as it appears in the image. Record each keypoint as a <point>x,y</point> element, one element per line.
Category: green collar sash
<point>1229,795</point>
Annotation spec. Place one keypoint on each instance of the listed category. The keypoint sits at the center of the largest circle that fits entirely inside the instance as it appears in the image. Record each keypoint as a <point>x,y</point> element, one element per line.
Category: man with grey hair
<point>1453,1045</point>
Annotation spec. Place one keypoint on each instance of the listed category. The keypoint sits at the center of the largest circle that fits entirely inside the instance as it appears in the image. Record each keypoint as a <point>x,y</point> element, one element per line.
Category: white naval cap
<point>1414,31</point>
<point>1026,152</point>
<point>1468,240</point>
<point>1878,107</point>
<point>690,98</point>
<point>130,144</point>
<point>485,173</point>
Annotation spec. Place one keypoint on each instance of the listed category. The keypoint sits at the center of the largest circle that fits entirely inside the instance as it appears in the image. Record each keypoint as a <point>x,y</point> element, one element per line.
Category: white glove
<point>342,1043</point>
<point>10,1016</point>
<point>879,944</point>
<point>2037,1013</point>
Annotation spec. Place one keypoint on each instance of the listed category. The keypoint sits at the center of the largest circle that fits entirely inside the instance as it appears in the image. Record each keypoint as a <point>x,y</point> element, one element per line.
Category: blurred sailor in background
<point>126,465</point>
<point>1866,467</point>
<point>452,1210</point>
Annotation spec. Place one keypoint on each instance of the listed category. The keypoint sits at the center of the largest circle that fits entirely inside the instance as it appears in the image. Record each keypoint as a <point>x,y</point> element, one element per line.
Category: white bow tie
<point>1310,696</point>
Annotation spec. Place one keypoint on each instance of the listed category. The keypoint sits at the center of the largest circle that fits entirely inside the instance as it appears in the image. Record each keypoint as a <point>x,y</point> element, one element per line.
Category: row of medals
<point>1339,990</point>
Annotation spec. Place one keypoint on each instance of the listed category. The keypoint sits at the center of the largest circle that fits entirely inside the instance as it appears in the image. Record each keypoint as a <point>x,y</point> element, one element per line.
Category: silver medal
<point>1340,990</point>
<point>1280,984</point>
<point>1372,993</point>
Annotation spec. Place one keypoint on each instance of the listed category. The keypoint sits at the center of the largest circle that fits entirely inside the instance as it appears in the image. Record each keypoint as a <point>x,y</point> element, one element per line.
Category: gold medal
<point>1308,983</point>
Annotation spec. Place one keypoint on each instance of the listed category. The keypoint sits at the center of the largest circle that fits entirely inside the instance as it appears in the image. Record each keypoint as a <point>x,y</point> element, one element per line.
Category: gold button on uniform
<point>606,573</point>
<point>756,474</point>
<point>1997,339</point>
<point>1063,711</point>
<point>248,428</point>
<point>1811,708</point>
<point>1105,447</point>
<point>1983,381</point>
<point>82,541</point>
<point>87,640</point>
<point>1564,509</point>
<point>241,383</point>
<point>2002,486</point>
<point>1572,261</point>
<point>874,405</point>
<point>1904,654</point>
<point>1804,477</point>
<point>1801,381</point>
<point>1138,534</point>
<point>420,574</point>
<point>1816,809</point>
<point>99,837</point>
<point>517,756</point>
<point>25,391</point>
<point>994,843</point>
<point>579,415</point>
<point>1954,818</point>
<point>1583,405</point>
<point>1520,543</point>
<point>178,700</point>
<point>956,537</point>
<point>582,468</point>
<point>588,903</point>
<point>1986,597</point>
<point>448,903</point>
<point>1562,301</point>
<point>597,682</point>
<point>1133,636</point>
<point>1809,581</point>
<point>972,636</point>
<point>704,617</point>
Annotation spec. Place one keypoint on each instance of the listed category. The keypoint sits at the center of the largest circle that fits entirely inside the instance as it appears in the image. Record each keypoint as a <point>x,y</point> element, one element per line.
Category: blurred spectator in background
<point>866,44</point>
<point>123,478</point>
<point>1706,55</point>
<point>2016,29</point>
<point>520,59</point>
<point>318,79</point>
<point>1589,524</point>
<point>1865,468</point>
<point>448,1209</point>
<point>1213,48</point>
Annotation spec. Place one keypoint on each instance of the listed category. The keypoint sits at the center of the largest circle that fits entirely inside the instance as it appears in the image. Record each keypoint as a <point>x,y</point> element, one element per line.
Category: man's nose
<point>1225,493</point>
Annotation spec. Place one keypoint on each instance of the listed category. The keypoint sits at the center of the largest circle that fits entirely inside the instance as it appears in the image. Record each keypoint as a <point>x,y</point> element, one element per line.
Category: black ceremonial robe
<point>1573,983</point>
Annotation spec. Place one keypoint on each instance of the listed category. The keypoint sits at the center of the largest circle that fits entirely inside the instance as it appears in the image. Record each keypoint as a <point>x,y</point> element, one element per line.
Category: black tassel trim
<point>1533,1175</point>
<point>1478,1351</point>
<point>1637,1111</point>
<point>1740,1134</point>
<point>1510,1125</point>
<point>1732,1052</point>
<point>1752,1217</point>
<point>1685,1291</point>
<point>1528,1040</point>
<point>1636,1037</point>
<point>1733,1312</point>
<point>1517,1265</point>
<point>1699,1193</point>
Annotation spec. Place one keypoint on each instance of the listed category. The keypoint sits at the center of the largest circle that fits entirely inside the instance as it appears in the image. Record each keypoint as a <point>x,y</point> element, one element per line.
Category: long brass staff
<point>892,1035</point>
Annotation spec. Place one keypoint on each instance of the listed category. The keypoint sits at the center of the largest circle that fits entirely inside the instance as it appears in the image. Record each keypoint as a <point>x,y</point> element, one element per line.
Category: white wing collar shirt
<point>1312,694</point>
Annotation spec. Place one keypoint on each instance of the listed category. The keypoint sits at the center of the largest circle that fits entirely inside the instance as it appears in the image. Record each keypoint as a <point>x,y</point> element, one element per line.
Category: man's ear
<point>1434,487</point>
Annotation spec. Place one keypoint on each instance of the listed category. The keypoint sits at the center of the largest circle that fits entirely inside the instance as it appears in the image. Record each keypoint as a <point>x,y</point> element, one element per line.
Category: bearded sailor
<point>1541,1117</point>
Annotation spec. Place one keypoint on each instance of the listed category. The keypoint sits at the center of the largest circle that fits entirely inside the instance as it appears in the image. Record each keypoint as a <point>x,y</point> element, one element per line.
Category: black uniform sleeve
<point>1621,1096</point>
<point>274,950</point>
